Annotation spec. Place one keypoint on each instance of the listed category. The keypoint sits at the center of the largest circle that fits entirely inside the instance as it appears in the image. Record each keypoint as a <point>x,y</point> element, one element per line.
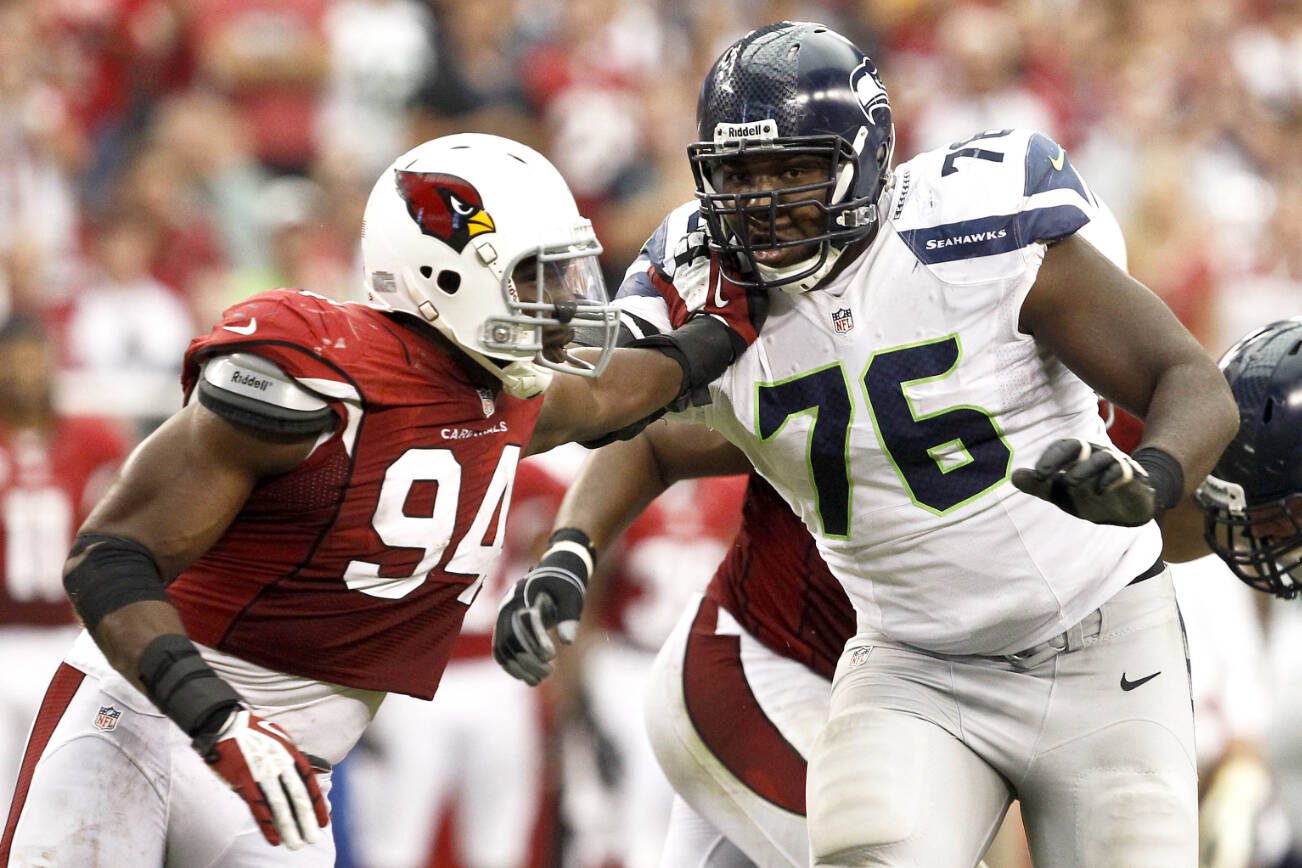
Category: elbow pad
<point>113,573</point>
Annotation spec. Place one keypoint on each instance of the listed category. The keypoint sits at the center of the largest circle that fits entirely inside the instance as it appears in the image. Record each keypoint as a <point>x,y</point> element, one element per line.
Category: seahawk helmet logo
<point>867,86</point>
<point>444,206</point>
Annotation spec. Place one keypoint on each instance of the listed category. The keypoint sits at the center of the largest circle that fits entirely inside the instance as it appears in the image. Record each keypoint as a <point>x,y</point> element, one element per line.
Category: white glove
<point>264,768</point>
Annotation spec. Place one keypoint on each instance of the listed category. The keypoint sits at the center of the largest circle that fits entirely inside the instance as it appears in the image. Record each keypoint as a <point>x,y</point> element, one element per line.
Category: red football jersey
<point>47,487</point>
<point>774,582</point>
<point>534,503</point>
<point>358,565</point>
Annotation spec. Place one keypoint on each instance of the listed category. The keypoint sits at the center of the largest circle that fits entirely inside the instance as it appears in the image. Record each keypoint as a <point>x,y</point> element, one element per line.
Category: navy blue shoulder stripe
<point>654,249</point>
<point>987,236</point>
<point>638,283</point>
<point>1047,168</point>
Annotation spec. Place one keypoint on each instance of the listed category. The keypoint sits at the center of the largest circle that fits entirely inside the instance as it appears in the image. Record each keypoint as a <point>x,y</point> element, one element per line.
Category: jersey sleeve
<point>294,331</point>
<point>668,278</point>
<point>981,211</point>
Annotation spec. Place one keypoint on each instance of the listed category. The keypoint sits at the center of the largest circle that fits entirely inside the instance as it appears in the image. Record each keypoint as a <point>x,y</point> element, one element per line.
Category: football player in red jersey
<point>52,470</point>
<point>305,535</point>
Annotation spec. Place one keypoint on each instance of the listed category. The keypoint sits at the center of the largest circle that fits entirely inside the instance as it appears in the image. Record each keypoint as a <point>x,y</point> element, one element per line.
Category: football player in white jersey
<point>1007,645</point>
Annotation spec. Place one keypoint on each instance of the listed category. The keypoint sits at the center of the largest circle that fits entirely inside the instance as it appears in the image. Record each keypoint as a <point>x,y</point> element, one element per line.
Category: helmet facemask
<point>745,224</point>
<point>1261,544</point>
<point>555,296</point>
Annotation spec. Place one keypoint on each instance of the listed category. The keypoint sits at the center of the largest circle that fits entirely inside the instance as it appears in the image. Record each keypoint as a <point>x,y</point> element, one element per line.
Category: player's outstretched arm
<point>177,494</point>
<point>654,371</point>
<point>615,485</point>
<point>1119,337</point>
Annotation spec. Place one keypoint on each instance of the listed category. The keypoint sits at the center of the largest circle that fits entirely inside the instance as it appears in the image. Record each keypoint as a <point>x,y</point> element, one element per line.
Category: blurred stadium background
<point>160,159</point>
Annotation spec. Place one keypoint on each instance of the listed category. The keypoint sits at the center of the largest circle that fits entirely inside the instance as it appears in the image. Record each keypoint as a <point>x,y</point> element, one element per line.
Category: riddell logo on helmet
<point>765,129</point>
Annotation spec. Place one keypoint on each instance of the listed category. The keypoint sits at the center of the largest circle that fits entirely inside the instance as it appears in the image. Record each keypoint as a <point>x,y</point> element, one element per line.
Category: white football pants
<point>922,753</point>
<point>731,724</point>
<point>117,785</point>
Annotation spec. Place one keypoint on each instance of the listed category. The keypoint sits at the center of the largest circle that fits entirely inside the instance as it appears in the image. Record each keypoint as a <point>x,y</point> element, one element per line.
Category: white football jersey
<point>890,406</point>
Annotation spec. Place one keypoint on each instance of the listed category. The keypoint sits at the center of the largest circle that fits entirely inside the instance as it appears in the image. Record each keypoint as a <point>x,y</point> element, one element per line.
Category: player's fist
<point>264,768</point>
<point>1101,484</point>
<point>740,307</point>
<point>550,596</point>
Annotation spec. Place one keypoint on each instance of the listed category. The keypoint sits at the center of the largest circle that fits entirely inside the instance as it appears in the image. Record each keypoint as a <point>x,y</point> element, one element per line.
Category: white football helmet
<point>445,228</point>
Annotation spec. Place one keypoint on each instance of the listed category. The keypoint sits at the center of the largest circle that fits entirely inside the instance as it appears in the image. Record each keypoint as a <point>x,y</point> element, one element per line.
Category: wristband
<point>1164,473</point>
<point>703,347</point>
<point>186,689</point>
<point>570,549</point>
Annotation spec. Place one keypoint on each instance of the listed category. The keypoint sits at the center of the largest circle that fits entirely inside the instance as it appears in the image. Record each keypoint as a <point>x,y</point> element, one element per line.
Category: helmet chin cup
<point>524,379</point>
<point>810,271</point>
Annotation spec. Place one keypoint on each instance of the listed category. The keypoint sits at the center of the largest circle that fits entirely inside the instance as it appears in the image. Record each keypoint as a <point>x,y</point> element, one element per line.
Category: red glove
<point>265,769</point>
<point>712,337</point>
<point>741,308</point>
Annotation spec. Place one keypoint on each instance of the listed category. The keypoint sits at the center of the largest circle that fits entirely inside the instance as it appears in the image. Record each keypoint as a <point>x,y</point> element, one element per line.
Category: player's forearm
<point>1182,533</point>
<point>615,485</point>
<point>635,384</point>
<point>116,588</point>
<point>1192,416</point>
<point>124,634</point>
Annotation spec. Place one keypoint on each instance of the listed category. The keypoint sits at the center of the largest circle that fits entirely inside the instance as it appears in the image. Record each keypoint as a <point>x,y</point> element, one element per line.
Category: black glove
<point>1102,484</point>
<point>550,595</point>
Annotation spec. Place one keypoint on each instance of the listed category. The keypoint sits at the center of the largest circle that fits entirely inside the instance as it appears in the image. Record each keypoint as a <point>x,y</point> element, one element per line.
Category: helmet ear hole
<point>426,271</point>
<point>448,281</point>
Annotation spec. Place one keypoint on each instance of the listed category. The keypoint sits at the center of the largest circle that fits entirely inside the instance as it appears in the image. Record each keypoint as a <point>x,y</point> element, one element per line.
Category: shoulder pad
<point>678,241</point>
<point>994,193</point>
<point>253,391</point>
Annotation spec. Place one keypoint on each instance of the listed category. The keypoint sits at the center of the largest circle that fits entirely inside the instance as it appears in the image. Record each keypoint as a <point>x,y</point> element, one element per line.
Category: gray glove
<point>549,596</point>
<point>1100,484</point>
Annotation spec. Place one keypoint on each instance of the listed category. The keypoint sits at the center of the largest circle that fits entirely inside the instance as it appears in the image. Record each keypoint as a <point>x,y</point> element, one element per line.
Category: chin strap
<point>523,378</point>
<point>519,379</point>
<point>805,284</point>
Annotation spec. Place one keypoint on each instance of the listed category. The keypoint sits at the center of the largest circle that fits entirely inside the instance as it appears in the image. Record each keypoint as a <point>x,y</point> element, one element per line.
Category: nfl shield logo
<point>842,320</point>
<point>859,657</point>
<point>107,718</point>
<point>486,402</point>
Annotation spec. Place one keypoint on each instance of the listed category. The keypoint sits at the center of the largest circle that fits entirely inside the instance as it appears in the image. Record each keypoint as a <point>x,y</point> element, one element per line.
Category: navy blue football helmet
<point>1253,497</point>
<point>789,89</point>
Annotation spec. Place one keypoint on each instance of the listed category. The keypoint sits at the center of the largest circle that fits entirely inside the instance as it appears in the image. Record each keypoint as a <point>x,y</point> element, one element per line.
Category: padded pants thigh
<point>889,788</point>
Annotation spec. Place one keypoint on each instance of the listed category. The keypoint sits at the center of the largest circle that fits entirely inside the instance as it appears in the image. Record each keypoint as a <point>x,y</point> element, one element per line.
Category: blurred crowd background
<point>161,159</point>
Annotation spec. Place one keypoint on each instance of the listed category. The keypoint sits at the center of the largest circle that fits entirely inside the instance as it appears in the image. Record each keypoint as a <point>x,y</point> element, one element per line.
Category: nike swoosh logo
<point>269,728</point>
<point>1131,685</point>
<point>719,300</point>
<point>244,329</point>
<point>1057,161</point>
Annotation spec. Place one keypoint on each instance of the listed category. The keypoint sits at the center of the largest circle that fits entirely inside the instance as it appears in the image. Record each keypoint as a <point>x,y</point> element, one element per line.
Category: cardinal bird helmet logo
<point>444,206</point>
